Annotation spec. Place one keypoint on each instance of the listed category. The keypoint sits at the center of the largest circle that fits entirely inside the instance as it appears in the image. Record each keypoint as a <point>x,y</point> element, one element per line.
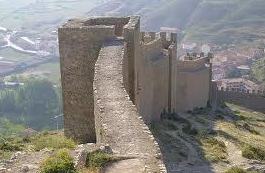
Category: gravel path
<point>25,162</point>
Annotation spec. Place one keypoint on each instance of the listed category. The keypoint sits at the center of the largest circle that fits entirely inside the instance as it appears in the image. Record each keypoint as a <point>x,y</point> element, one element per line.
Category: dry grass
<point>241,136</point>
<point>251,152</point>
<point>52,141</point>
<point>238,170</point>
<point>246,129</point>
<point>90,170</point>
<point>247,132</point>
<point>246,113</point>
<point>5,155</point>
<point>214,150</point>
<point>255,119</point>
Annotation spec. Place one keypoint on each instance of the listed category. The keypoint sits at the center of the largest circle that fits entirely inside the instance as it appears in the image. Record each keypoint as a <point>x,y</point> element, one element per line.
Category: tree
<point>258,70</point>
<point>38,100</point>
<point>233,73</point>
<point>7,101</point>
<point>35,103</point>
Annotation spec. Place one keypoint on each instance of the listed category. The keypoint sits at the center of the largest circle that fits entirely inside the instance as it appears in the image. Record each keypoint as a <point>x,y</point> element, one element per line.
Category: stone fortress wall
<point>166,83</point>
<point>115,78</point>
<point>194,79</point>
<point>152,91</point>
<point>98,81</point>
<point>254,101</point>
<point>78,57</point>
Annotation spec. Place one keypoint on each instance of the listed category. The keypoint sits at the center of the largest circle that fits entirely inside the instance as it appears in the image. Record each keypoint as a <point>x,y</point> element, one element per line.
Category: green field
<point>12,55</point>
<point>53,68</point>
<point>50,71</point>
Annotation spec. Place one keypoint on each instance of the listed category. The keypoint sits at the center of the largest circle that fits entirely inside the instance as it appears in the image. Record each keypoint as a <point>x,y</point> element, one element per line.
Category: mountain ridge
<point>216,21</point>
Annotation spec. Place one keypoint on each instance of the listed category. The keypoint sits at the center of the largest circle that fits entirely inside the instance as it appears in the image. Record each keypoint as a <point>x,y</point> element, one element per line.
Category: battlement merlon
<point>165,42</point>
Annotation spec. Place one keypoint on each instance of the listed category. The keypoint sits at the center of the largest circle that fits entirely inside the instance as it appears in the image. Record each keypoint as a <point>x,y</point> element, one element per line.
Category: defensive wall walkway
<point>120,124</point>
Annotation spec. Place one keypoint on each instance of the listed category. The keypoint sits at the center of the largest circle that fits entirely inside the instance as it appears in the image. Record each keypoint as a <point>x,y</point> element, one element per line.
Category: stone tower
<point>79,45</point>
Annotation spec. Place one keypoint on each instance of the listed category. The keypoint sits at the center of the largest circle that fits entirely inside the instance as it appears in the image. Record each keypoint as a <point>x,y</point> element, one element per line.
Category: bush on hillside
<point>252,152</point>
<point>61,162</point>
<point>8,128</point>
<point>258,70</point>
<point>10,146</point>
<point>98,159</point>
<point>236,170</point>
<point>33,104</point>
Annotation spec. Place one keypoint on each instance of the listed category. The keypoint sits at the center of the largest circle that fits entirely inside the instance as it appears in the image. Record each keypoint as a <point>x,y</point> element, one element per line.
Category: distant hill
<point>217,21</point>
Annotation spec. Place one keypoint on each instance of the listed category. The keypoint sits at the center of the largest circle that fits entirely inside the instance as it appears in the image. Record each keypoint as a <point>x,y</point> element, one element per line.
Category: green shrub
<point>241,117</point>
<point>236,170</point>
<point>8,128</point>
<point>53,141</point>
<point>250,129</point>
<point>236,112</point>
<point>251,152</point>
<point>61,162</point>
<point>9,146</point>
<point>98,159</point>
<point>5,155</point>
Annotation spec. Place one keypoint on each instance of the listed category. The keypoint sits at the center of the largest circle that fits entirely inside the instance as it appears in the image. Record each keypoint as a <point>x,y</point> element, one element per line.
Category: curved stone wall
<point>119,123</point>
<point>78,57</point>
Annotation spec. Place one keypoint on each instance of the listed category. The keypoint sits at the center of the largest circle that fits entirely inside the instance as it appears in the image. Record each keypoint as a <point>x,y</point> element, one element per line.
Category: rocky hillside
<point>218,21</point>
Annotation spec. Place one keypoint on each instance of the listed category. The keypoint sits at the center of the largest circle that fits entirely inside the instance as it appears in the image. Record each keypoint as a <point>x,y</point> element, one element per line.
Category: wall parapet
<point>247,100</point>
<point>253,101</point>
<point>192,65</point>
<point>253,92</point>
<point>153,46</point>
